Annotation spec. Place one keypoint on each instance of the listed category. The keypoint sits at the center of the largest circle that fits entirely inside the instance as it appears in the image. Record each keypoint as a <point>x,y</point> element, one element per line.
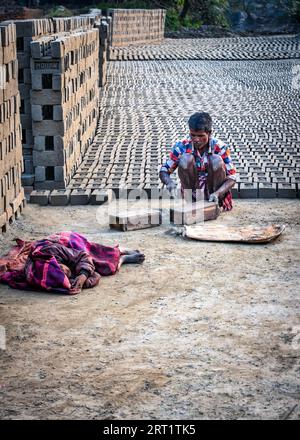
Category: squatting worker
<point>203,162</point>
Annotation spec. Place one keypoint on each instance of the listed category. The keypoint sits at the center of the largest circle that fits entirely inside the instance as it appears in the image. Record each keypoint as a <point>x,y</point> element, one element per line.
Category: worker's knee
<point>216,162</point>
<point>186,161</point>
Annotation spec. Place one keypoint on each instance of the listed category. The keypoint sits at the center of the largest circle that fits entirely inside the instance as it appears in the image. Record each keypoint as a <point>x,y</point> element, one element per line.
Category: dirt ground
<point>199,331</point>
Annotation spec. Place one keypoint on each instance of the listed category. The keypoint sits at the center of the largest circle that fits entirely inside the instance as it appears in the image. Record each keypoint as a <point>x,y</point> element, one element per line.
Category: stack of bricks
<point>28,31</point>
<point>11,164</point>
<point>103,27</point>
<point>136,26</point>
<point>64,104</point>
<point>71,24</point>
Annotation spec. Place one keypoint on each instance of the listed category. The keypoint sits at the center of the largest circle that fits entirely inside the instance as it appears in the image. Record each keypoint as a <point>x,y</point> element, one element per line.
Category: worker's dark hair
<point>201,121</point>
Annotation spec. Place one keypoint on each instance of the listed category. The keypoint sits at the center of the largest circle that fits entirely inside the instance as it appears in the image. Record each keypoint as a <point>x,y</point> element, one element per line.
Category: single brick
<point>287,190</point>
<point>267,190</point>
<point>80,196</point>
<point>248,190</point>
<point>99,197</point>
<point>40,174</point>
<point>40,197</point>
<point>60,197</point>
<point>36,113</point>
<point>28,179</point>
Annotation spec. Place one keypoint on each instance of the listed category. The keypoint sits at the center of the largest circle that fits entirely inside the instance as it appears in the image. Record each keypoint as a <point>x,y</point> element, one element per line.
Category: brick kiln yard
<point>201,330</point>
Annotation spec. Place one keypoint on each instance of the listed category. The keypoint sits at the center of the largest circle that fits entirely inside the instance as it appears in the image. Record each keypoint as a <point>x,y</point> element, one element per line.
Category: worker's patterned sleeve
<point>172,163</point>
<point>224,151</point>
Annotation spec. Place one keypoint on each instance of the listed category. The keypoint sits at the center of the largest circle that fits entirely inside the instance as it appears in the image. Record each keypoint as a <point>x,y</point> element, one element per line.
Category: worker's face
<point>66,270</point>
<point>199,138</point>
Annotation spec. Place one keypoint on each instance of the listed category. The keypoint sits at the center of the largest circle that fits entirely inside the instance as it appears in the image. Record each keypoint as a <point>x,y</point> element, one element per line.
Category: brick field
<point>200,330</point>
<point>254,104</point>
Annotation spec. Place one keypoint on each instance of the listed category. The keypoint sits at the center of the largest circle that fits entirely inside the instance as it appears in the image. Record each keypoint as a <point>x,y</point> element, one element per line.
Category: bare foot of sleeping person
<point>135,257</point>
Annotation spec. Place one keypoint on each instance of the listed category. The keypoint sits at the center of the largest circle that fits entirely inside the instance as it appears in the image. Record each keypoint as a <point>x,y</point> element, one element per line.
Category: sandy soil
<point>201,330</point>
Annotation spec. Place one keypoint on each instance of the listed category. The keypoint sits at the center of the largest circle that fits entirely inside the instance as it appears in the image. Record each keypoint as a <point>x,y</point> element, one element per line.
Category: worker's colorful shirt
<point>185,146</point>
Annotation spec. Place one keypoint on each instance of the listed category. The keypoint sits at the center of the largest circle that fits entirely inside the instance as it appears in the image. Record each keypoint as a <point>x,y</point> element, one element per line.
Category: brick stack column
<point>27,31</point>
<point>11,163</point>
<point>103,29</point>
<point>65,104</point>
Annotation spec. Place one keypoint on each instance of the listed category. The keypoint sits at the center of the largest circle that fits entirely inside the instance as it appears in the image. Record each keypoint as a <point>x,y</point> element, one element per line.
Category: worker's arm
<point>170,166</point>
<point>227,185</point>
<point>166,179</point>
<point>224,152</point>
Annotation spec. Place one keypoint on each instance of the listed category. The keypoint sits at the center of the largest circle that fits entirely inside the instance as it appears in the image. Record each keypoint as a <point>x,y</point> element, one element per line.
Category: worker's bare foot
<point>135,258</point>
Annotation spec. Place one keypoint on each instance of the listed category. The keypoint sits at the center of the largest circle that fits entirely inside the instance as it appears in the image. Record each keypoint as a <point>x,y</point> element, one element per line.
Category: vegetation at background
<point>193,13</point>
<point>189,14</point>
<point>180,13</point>
<point>59,11</point>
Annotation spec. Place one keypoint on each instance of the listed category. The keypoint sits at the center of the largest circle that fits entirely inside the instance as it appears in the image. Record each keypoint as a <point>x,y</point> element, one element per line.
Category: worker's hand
<point>214,198</point>
<point>171,186</point>
<point>78,284</point>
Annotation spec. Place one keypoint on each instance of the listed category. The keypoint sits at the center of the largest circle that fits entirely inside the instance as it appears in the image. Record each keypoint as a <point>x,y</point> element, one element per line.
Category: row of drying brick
<point>98,195</point>
<point>11,164</point>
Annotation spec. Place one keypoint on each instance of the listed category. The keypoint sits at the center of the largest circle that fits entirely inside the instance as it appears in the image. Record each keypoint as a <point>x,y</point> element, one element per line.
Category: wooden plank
<point>242,234</point>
